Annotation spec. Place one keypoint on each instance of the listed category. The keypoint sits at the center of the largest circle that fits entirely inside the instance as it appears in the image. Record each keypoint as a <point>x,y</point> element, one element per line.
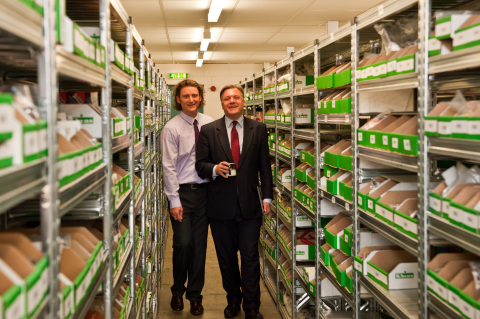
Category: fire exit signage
<point>178,75</point>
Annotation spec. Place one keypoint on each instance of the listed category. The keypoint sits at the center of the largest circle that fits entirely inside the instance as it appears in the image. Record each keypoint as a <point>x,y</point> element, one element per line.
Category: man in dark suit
<point>233,204</point>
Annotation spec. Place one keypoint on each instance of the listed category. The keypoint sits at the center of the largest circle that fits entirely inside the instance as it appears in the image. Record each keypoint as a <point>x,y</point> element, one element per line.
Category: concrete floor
<point>214,297</point>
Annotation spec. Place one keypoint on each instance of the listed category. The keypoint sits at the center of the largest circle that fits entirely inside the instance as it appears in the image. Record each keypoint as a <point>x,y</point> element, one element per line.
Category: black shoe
<point>232,310</point>
<point>253,314</point>
<point>177,303</point>
<point>196,308</point>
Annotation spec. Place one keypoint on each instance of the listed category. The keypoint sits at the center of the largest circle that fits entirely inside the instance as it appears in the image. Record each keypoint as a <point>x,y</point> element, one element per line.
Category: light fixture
<point>216,7</point>
<point>205,40</point>
<point>199,59</point>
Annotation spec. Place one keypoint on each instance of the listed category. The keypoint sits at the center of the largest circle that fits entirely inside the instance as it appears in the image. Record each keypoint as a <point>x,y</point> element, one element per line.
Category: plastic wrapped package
<point>399,34</point>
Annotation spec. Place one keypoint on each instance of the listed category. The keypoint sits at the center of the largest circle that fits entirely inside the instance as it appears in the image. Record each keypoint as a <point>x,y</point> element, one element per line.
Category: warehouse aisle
<point>214,300</point>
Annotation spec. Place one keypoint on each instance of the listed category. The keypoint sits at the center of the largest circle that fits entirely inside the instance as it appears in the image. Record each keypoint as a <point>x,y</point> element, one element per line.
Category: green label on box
<point>84,120</point>
<point>404,275</point>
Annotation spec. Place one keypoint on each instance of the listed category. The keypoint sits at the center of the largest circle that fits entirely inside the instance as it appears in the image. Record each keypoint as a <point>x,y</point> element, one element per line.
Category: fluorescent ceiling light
<point>205,40</point>
<point>199,62</point>
<point>215,9</point>
<point>204,44</point>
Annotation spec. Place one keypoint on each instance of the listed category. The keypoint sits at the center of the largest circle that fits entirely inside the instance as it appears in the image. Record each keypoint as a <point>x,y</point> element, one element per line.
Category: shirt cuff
<point>267,200</point>
<point>214,175</point>
<point>175,202</point>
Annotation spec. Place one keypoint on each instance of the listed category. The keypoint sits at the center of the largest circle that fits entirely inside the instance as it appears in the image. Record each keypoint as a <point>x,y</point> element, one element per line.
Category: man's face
<point>190,100</point>
<point>233,103</point>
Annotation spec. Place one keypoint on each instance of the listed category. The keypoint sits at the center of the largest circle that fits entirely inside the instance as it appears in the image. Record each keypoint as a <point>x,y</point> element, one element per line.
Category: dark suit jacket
<point>213,148</point>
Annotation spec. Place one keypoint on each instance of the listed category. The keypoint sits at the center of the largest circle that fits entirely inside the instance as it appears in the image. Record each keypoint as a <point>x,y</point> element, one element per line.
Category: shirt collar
<point>229,121</point>
<point>189,119</point>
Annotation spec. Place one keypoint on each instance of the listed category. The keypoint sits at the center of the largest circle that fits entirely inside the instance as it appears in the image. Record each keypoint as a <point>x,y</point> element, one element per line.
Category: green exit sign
<point>178,75</point>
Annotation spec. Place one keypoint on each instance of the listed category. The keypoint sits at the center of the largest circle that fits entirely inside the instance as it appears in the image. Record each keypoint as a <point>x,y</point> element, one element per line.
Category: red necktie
<point>195,128</point>
<point>235,144</point>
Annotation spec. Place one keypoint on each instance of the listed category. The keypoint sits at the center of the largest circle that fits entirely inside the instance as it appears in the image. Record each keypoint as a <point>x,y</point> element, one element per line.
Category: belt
<point>193,185</point>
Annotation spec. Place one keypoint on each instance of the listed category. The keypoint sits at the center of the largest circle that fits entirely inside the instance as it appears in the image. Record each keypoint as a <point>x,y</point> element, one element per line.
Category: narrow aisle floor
<point>214,298</point>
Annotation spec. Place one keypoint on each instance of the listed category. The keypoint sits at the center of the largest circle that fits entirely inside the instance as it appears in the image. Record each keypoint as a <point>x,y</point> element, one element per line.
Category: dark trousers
<point>190,243</point>
<point>231,236</point>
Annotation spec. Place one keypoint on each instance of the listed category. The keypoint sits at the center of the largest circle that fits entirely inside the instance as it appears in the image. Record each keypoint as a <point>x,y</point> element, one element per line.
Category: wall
<point>217,75</point>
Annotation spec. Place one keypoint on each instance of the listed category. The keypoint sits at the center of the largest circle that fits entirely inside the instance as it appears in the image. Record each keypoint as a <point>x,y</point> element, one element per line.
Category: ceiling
<point>248,31</point>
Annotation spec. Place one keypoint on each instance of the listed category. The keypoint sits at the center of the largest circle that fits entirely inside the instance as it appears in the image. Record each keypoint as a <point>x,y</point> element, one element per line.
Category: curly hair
<point>185,83</point>
<point>231,86</point>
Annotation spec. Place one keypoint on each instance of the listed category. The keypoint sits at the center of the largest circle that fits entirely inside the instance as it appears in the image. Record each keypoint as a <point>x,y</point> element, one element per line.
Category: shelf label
<point>347,119</point>
<point>406,145</point>
<point>334,200</point>
<point>321,193</point>
<point>395,142</point>
<point>326,118</point>
<point>347,206</point>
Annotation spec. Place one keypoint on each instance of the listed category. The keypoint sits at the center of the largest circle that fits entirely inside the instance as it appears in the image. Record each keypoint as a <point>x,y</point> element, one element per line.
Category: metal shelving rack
<point>55,67</point>
<point>445,73</point>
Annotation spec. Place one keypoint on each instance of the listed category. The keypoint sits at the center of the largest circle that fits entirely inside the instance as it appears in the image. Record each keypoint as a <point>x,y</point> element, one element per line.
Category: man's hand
<point>266,208</point>
<point>222,169</point>
<point>177,213</point>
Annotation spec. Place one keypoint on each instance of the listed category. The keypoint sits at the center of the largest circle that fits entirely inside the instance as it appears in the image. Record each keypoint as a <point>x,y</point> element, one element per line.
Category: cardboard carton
<point>383,137</point>
<point>404,139</point>
<point>405,219</point>
<point>384,208</point>
<point>466,35</point>
<point>365,254</point>
<point>447,23</point>
<point>394,269</point>
<point>334,229</point>
<point>332,154</point>
<point>365,189</point>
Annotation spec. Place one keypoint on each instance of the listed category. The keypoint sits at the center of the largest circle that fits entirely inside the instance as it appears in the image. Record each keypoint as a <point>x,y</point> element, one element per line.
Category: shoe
<point>196,308</point>
<point>177,303</point>
<point>253,314</point>
<point>232,310</point>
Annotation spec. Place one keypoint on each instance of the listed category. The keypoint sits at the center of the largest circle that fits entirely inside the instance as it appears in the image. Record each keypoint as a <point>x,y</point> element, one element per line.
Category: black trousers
<point>231,236</point>
<point>190,243</point>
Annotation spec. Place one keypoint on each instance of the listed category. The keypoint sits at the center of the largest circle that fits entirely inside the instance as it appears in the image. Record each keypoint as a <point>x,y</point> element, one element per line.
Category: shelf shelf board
<point>285,189</point>
<point>397,82</point>
<point>284,280</point>
<point>271,287</point>
<point>270,231</point>
<point>137,149</point>
<point>400,304</point>
<point>90,294</point>
<point>299,276</point>
<point>284,158</point>
<point>284,250</point>
<point>123,208</point>
<point>306,134</point>
<point>441,308</point>
<point>73,193</point>
<point>21,182</point>
<point>391,233</point>
<point>285,222</point>
<point>119,76</point>
<point>455,61</point>
<point>284,312</point>
<point>335,119</point>
<point>120,143</point>
<point>122,269</point>
<point>138,253</point>
<point>284,126</point>
<point>454,234</point>
<point>405,162</point>
<point>382,11</point>
<point>22,21</point>
<point>304,210</point>
<point>137,93</point>
<point>455,147</point>
<point>337,200</point>
<point>75,67</point>
<point>330,276</point>
<point>307,90</point>
<point>270,125</point>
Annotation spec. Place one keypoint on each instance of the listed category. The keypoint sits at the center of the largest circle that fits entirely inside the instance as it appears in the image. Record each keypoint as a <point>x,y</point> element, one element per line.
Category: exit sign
<point>178,75</point>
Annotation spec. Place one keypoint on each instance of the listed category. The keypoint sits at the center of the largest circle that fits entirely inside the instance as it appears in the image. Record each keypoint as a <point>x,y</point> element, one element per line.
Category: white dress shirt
<point>177,144</point>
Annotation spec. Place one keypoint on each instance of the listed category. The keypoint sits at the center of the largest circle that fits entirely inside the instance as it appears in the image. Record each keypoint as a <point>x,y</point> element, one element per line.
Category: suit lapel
<point>223,138</point>
<point>247,139</point>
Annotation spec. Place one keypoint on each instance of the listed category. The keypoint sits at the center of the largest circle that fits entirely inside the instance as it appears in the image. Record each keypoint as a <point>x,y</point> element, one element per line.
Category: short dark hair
<point>231,86</point>
<point>185,83</point>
